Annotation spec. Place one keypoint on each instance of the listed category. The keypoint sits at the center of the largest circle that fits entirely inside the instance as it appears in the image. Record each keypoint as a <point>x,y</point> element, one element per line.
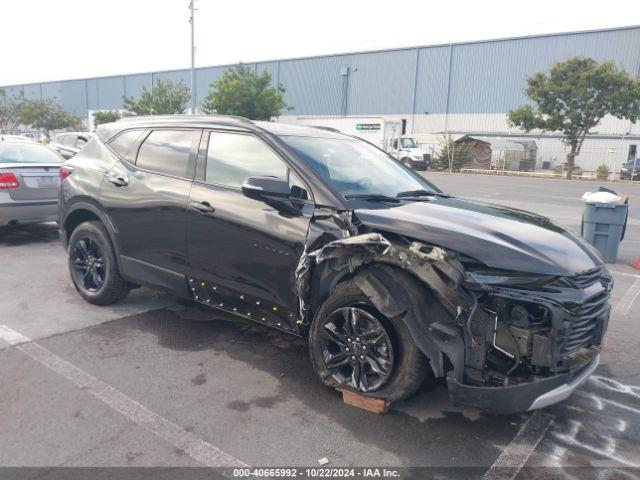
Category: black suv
<point>326,236</point>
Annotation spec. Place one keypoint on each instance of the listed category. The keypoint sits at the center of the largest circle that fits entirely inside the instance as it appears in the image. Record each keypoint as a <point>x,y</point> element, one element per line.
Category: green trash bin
<point>603,226</point>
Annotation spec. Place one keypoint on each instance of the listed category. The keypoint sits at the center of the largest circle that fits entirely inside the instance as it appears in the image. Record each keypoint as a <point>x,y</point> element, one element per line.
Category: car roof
<point>108,130</point>
<point>15,139</point>
<point>77,134</point>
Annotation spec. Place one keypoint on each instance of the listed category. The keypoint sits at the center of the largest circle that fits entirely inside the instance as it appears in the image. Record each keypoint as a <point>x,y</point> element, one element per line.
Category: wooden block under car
<point>370,404</point>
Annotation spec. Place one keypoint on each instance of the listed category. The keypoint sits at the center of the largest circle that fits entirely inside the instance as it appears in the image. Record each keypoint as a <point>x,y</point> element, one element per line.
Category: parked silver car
<point>29,179</point>
<point>70,143</point>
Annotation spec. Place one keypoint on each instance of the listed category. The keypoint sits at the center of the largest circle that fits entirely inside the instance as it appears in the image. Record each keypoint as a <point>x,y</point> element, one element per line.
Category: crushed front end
<point>531,339</point>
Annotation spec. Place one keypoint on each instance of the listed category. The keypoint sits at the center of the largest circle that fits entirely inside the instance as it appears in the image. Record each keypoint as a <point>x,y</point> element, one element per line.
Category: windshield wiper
<point>375,197</point>
<point>422,193</point>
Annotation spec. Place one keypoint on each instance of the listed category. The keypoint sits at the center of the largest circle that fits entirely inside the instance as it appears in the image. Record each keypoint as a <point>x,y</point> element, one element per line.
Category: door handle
<point>118,181</point>
<point>203,207</point>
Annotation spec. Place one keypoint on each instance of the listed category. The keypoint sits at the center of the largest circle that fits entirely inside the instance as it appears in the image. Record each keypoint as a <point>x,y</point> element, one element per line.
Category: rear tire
<point>409,367</point>
<point>93,266</point>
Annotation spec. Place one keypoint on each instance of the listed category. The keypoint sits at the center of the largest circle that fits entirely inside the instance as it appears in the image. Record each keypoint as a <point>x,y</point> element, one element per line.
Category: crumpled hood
<point>499,237</point>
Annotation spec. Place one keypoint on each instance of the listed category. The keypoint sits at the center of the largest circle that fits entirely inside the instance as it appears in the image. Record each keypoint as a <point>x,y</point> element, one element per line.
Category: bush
<point>165,98</point>
<point>105,116</point>
<point>453,156</point>
<point>240,91</point>
<point>602,170</point>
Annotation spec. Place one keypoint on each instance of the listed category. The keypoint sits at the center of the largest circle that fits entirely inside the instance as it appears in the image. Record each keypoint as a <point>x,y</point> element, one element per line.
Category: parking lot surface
<point>160,382</point>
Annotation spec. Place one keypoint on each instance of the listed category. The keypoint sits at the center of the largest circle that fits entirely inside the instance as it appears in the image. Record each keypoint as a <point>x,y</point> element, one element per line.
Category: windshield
<point>408,143</point>
<point>353,167</point>
<point>27,153</point>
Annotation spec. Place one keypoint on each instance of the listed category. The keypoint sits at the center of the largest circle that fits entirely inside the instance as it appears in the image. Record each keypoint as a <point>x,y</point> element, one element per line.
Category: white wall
<point>596,150</point>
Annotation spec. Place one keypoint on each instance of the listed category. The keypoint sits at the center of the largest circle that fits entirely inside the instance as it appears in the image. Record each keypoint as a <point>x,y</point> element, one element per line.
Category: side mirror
<point>266,188</point>
<point>273,191</point>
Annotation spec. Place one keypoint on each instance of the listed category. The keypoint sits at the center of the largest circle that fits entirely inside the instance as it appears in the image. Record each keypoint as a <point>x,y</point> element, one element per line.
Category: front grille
<point>587,278</point>
<point>583,326</point>
<point>426,157</point>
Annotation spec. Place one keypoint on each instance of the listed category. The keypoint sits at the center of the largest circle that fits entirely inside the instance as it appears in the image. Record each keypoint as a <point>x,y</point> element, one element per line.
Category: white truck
<point>383,133</point>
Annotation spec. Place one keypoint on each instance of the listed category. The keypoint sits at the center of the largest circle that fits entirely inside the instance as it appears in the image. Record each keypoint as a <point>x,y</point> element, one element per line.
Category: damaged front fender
<point>420,284</point>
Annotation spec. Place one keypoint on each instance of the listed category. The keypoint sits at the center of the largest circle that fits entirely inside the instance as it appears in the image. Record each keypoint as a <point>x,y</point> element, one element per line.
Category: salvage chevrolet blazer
<point>325,236</point>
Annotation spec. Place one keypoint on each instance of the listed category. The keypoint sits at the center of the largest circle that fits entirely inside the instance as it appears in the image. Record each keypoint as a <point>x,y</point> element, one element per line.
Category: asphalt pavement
<point>159,382</point>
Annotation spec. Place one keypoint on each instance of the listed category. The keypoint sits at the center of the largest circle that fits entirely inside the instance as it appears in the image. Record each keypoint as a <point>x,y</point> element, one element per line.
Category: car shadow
<point>426,422</point>
<point>15,236</point>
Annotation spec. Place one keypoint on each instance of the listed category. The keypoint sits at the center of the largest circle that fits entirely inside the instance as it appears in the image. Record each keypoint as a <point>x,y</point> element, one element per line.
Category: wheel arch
<point>86,210</point>
<point>396,292</point>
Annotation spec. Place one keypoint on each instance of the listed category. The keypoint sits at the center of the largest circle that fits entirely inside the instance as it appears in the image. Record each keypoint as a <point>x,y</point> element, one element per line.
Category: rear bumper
<point>28,212</point>
<point>521,397</point>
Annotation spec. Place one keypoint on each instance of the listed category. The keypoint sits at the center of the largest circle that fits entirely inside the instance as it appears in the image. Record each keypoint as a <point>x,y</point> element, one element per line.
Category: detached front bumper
<point>521,397</point>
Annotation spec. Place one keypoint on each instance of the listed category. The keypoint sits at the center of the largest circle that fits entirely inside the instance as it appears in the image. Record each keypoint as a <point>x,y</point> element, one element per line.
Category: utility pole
<point>193,57</point>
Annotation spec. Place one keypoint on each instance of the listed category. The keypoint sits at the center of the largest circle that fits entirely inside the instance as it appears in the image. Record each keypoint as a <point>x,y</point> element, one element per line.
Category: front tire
<point>353,345</point>
<point>93,266</point>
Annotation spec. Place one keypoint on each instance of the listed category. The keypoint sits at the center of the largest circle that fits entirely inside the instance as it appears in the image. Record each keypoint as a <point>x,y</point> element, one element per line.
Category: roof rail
<point>185,117</point>
<point>328,129</point>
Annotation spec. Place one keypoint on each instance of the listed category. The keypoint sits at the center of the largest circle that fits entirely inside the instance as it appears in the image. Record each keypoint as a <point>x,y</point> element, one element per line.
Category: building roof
<point>108,130</point>
<point>495,143</point>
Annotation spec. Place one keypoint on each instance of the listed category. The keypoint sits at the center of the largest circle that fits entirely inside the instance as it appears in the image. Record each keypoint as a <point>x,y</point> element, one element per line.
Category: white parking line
<point>195,447</point>
<point>625,274</point>
<point>628,299</point>
<point>517,453</point>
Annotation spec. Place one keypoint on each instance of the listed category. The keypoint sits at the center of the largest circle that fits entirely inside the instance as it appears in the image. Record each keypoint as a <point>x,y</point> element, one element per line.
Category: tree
<point>165,98</point>
<point>573,97</point>
<point>105,116</point>
<point>8,113</point>
<point>45,115</point>
<point>453,156</point>
<point>241,92</point>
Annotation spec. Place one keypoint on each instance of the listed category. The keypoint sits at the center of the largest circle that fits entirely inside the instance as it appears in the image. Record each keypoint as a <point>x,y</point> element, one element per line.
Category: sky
<point>42,40</point>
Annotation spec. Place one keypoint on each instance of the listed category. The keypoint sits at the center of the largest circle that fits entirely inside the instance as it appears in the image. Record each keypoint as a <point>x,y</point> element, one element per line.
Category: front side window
<point>353,167</point>
<point>408,143</point>
<point>167,151</point>
<point>232,158</point>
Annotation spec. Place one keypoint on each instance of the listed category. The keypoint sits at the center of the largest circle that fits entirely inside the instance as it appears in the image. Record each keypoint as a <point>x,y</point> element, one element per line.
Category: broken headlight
<point>509,279</point>
<point>518,314</point>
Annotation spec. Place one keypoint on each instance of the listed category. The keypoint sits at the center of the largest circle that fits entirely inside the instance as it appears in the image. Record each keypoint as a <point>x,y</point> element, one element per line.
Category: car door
<point>243,253</point>
<point>147,200</point>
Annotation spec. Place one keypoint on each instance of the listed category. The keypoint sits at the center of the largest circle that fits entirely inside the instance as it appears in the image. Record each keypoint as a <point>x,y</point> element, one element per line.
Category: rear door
<point>147,203</point>
<point>243,253</point>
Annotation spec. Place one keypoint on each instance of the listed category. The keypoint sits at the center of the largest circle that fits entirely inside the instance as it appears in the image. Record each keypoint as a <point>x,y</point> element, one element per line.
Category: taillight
<point>65,171</point>
<point>8,181</point>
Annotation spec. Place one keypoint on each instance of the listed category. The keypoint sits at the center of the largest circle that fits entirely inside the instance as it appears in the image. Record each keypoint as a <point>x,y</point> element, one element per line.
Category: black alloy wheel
<point>356,349</point>
<point>88,264</point>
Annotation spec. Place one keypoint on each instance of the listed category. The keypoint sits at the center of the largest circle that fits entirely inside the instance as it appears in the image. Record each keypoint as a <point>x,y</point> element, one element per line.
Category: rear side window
<point>167,151</point>
<point>27,153</point>
<point>124,141</point>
